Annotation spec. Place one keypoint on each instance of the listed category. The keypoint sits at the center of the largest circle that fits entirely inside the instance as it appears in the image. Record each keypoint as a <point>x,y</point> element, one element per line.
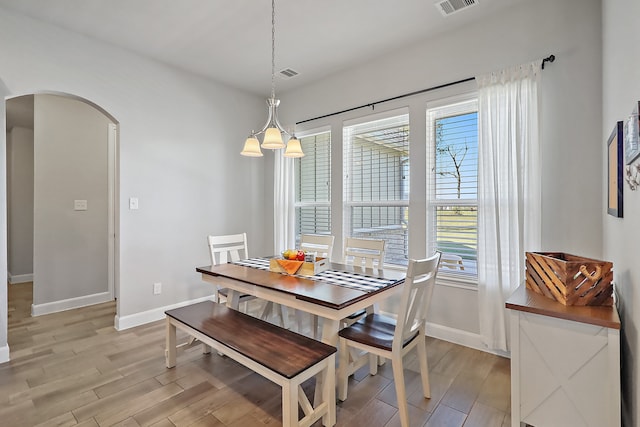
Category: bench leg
<point>290,404</point>
<point>343,370</point>
<point>329,391</point>
<point>170,349</point>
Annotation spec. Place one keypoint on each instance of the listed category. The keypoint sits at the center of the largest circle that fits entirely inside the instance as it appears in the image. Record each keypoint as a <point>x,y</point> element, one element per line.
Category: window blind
<point>376,184</point>
<point>453,185</point>
<point>313,185</point>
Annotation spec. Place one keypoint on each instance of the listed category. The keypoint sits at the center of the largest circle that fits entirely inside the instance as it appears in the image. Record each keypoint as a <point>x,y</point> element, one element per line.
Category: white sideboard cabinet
<point>565,363</point>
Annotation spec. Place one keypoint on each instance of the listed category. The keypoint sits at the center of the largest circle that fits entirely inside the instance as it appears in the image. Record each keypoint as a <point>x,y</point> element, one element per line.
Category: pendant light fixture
<point>272,130</point>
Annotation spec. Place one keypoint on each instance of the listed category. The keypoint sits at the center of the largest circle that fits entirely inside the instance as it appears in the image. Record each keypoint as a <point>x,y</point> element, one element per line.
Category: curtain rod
<point>550,58</point>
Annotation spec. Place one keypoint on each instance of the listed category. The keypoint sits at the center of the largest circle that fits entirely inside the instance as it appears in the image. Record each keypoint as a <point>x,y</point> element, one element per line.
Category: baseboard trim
<point>456,336</point>
<point>20,278</point>
<point>69,304</point>
<point>125,322</point>
<point>4,354</point>
<point>461,337</point>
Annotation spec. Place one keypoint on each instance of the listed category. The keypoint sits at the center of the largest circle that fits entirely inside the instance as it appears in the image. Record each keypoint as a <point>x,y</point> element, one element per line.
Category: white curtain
<point>284,213</point>
<point>509,200</point>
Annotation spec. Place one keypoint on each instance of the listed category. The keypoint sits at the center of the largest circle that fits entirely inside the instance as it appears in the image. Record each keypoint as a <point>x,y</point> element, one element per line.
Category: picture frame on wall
<point>614,170</point>
<point>632,135</point>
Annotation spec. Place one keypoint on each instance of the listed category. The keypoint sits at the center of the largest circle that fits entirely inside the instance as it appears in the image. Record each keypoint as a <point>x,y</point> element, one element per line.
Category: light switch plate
<point>133,203</point>
<point>80,205</point>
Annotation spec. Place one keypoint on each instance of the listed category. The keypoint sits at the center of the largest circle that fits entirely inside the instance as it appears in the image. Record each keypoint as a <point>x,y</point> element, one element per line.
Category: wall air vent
<point>449,7</point>
<point>288,73</point>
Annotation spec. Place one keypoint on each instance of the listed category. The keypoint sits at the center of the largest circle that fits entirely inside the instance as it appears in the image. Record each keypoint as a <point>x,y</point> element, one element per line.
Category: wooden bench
<point>284,357</point>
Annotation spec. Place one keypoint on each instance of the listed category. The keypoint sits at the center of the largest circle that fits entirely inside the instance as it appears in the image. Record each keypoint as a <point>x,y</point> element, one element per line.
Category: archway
<point>76,216</point>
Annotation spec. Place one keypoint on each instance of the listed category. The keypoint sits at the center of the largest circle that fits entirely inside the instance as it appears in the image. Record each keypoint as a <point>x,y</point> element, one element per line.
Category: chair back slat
<point>322,244</point>
<point>451,261</point>
<point>224,249</point>
<point>415,299</point>
<point>368,253</point>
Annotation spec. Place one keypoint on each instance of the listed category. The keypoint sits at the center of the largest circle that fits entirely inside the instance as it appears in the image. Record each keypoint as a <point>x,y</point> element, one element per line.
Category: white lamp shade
<point>293,148</point>
<point>251,147</point>
<point>272,139</point>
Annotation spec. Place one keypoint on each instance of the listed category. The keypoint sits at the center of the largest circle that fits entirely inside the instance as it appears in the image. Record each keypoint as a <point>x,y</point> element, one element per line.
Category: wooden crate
<point>570,279</point>
<point>306,269</point>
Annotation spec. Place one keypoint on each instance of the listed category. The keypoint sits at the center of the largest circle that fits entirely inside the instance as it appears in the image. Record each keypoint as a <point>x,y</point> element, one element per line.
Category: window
<point>313,185</point>
<point>452,218</point>
<point>376,183</point>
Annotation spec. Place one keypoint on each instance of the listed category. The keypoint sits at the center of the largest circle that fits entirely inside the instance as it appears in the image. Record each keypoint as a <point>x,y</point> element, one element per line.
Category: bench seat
<point>282,356</point>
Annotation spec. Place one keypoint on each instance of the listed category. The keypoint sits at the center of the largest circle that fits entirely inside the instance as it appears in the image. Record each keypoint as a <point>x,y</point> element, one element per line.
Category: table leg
<point>330,329</point>
<point>371,310</point>
<point>233,299</point>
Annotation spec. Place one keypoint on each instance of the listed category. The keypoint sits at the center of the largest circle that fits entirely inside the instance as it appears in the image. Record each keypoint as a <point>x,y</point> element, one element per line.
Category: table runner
<point>341,278</point>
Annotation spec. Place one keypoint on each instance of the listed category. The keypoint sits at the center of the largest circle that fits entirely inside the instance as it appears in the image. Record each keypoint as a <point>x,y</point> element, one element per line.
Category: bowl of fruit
<point>293,254</point>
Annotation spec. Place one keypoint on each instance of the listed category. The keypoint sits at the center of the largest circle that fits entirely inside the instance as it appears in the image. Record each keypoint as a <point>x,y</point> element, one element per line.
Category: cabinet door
<point>568,372</point>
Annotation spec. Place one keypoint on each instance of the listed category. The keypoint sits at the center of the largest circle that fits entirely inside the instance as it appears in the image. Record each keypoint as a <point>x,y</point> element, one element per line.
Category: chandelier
<point>272,130</point>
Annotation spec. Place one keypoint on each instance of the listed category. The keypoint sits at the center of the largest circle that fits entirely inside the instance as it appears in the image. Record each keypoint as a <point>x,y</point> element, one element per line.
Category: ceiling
<point>230,41</point>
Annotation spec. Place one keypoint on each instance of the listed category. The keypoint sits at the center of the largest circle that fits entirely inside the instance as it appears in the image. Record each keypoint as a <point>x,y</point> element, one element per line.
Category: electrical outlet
<point>157,288</point>
<point>80,205</point>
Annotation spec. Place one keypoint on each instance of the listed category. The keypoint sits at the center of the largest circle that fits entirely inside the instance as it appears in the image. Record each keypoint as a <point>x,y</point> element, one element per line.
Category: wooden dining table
<point>332,295</point>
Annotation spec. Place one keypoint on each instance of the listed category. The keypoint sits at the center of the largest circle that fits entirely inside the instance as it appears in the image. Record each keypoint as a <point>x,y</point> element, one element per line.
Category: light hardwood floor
<point>74,369</point>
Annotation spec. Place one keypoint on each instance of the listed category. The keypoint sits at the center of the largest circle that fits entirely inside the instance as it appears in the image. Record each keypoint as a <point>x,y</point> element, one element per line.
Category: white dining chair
<point>368,253</point>
<point>321,244</point>
<point>232,248</point>
<point>224,249</point>
<point>377,335</point>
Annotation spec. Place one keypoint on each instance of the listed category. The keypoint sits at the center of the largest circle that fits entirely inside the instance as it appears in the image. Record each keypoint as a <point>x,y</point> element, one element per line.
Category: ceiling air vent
<point>288,73</point>
<point>449,7</point>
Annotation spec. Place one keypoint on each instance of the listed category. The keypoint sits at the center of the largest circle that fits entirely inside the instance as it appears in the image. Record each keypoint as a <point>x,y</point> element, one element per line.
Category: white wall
<point>4,347</point>
<point>179,143</point>
<point>570,117</point>
<point>621,91</point>
<point>20,203</point>
<point>70,154</point>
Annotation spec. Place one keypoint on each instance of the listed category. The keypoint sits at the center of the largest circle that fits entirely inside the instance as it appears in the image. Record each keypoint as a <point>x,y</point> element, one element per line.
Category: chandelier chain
<point>273,49</point>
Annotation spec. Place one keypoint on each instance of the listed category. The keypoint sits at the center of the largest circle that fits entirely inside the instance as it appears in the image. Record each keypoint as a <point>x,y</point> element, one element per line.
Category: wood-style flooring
<point>74,369</point>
